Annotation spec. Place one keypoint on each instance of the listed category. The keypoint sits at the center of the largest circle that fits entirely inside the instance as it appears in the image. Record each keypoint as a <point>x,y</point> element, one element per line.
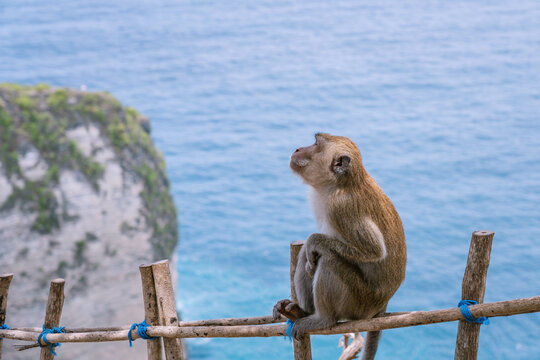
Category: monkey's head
<point>330,161</point>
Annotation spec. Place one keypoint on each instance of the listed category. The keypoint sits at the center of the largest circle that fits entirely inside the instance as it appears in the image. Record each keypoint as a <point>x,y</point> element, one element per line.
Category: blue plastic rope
<point>43,335</point>
<point>464,307</point>
<point>289,329</point>
<point>141,331</point>
<point>4,327</point>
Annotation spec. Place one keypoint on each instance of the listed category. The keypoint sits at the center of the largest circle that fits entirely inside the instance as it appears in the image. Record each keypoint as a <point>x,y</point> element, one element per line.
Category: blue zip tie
<point>141,331</point>
<point>43,335</point>
<point>464,307</point>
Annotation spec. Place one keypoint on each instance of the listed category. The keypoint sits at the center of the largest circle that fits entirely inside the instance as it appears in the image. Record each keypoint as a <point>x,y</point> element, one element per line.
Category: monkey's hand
<point>311,263</point>
<point>310,269</point>
<point>313,254</point>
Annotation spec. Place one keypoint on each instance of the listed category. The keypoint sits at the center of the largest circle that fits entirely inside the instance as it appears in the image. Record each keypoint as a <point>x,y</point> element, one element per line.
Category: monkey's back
<point>390,271</point>
<point>382,277</point>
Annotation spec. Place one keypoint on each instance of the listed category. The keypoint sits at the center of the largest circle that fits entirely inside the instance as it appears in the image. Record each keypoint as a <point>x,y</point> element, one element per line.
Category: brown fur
<point>353,269</point>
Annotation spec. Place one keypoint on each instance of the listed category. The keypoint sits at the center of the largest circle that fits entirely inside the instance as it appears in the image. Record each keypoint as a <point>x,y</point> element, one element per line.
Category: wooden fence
<point>160,313</point>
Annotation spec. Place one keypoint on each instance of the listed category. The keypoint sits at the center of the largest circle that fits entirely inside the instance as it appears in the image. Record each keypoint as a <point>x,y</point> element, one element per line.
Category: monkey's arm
<point>363,242</point>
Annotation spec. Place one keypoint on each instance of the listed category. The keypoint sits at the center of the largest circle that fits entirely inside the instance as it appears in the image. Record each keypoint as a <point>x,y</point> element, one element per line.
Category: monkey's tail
<point>370,345</point>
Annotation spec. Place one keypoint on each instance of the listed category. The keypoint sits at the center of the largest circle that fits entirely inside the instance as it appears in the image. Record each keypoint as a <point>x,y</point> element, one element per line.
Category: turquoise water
<point>442,98</point>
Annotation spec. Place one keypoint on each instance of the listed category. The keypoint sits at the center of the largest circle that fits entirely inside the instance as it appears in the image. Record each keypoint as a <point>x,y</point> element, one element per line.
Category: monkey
<point>351,269</point>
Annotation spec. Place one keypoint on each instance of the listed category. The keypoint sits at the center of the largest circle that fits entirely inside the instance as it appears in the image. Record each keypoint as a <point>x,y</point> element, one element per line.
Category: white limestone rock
<point>86,198</point>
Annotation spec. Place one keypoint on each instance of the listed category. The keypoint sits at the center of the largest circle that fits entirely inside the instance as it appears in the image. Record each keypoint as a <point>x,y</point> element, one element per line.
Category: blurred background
<point>442,99</point>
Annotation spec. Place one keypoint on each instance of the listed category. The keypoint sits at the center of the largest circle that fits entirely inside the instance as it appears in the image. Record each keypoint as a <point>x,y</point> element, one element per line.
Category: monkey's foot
<point>309,323</point>
<point>288,309</point>
<point>299,329</point>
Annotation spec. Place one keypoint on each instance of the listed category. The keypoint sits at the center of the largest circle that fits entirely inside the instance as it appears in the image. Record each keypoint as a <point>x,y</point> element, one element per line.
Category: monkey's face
<point>327,162</point>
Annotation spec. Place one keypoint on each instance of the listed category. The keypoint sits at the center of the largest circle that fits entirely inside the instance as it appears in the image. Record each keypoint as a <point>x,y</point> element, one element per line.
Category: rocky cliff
<point>83,196</point>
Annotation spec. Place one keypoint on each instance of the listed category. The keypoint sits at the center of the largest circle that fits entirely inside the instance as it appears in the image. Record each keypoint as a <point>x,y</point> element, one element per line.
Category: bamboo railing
<point>160,314</point>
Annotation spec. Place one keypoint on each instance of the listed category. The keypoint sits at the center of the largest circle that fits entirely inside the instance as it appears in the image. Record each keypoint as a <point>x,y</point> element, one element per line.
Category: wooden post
<point>53,312</point>
<point>473,287</point>
<point>302,347</point>
<point>150,310</point>
<point>5,280</point>
<point>167,308</point>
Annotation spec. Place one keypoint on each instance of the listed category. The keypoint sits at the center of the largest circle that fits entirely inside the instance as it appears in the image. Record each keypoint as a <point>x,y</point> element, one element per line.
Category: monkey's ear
<point>341,164</point>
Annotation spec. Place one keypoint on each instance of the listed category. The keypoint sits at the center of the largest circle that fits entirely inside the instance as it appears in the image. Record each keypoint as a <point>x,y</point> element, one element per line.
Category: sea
<point>442,98</point>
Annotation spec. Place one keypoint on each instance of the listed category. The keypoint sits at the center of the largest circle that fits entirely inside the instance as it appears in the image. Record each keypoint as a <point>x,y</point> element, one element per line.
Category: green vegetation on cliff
<point>41,117</point>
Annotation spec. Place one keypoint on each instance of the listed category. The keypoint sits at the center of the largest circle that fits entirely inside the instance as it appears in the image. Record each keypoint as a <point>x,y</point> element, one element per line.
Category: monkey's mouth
<point>298,164</point>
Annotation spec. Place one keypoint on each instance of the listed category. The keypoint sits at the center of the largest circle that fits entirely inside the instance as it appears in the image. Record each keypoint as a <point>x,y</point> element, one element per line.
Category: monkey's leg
<point>333,294</point>
<point>303,283</point>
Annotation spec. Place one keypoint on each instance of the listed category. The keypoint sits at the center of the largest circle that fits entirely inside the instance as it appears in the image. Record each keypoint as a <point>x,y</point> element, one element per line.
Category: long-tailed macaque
<point>353,267</point>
